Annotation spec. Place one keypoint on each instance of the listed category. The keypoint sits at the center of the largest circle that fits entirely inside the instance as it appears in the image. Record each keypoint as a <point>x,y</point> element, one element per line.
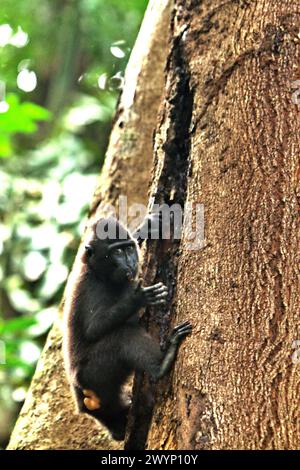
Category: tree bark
<point>48,419</point>
<point>228,138</point>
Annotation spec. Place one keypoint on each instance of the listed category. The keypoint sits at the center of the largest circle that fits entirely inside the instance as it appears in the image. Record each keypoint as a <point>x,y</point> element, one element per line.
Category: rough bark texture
<point>47,420</point>
<point>228,138</point>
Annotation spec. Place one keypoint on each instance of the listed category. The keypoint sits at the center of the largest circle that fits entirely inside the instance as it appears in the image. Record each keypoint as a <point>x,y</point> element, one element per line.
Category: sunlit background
<point>61,70</point>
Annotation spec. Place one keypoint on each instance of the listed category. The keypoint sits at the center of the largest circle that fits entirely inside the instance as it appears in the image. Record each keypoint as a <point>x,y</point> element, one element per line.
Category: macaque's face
<point>124,262</point>
<point>117,261</point>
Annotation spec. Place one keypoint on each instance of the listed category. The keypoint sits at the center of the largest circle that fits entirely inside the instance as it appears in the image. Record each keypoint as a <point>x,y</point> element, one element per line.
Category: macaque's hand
<point>153,295</point>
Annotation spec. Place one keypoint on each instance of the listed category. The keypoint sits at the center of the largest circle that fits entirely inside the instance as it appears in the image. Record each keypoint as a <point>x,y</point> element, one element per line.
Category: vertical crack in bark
<point>170,189</point>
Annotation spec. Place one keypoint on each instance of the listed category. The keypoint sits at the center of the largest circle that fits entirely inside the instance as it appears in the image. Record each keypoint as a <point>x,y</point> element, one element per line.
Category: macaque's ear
<point>89,250</point>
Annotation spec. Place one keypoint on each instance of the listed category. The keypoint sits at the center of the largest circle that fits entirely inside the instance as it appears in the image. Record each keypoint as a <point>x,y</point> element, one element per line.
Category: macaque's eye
<point>119,251</point>
<point>130,249</point>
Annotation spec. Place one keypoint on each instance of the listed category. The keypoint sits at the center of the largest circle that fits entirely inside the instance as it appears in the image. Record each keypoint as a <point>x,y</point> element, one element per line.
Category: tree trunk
<point>228,138</point>
<point>48,420</point>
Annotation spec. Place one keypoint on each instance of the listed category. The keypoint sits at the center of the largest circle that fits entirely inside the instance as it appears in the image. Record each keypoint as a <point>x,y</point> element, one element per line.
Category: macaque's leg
<point>110,410</point>
<point>145,355</point>
<point>113,414</point>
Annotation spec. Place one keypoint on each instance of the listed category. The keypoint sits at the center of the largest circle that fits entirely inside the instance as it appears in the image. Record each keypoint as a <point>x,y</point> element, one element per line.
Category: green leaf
<point>5,146</point>
<point>12,361</point>
<point>35,112</point>
<point>16,324</point>
<point>21,117</point>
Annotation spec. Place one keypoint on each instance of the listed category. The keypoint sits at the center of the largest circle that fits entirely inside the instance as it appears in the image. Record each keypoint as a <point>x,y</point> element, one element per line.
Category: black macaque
<point>104,342</point>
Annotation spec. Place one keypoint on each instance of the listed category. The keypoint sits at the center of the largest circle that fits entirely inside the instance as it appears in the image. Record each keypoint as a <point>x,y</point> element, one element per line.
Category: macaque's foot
<point>117,425</point>
<point>91,401</point>
<point>156,294</point>
<point>180,332</point>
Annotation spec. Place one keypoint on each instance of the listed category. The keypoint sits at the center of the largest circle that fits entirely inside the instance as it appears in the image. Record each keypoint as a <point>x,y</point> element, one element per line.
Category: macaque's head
<point>111,252</point>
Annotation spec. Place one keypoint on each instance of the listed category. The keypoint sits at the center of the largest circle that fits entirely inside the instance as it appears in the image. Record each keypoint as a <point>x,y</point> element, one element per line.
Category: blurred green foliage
<point>61,69</point>
<point>19,117</point>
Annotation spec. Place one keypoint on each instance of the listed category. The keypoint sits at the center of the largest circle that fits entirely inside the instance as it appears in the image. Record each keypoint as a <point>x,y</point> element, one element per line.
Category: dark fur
<point>104,342</point>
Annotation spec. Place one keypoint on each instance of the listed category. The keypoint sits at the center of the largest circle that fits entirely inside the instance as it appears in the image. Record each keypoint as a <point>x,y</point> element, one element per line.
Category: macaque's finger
<point>151,288</point>
<point>185,328</point>
<point>161,296</point>
<point>155,298</point>
<point>158,302</point>
<point>181,333</point>
<point>160,286</point>
<point>160,289</point>
<point>157,295</point>
<point>164,293</point>
<point>181,325</point>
